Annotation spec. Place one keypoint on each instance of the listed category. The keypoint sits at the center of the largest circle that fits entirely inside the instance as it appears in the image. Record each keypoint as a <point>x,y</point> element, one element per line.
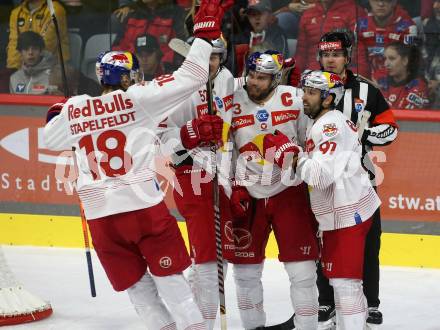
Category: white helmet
<point>270,62</point>
<point>219,46</point>
<point>327,82</point>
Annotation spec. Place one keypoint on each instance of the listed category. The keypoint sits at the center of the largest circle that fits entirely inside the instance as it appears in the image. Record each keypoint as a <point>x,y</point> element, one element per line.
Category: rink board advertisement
<point>35,210</point>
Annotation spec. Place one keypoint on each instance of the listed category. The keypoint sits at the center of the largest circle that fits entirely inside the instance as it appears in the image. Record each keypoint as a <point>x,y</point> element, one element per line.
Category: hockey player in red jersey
<point>263,199</point>
<point>341,195</point>
<point>113,137</point>
<point>193,168</point>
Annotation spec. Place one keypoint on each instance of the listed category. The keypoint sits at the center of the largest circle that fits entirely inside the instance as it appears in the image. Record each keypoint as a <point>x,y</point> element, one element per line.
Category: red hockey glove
<point>293,74</point>
<point>240,202</point>
<point>55,110</point>
<point>208,20</point>
<point>279,145</point>
<point>202,131</point>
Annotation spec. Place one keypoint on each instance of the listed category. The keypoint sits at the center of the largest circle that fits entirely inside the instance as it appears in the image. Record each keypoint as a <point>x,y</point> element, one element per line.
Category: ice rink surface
<point>410,296</point>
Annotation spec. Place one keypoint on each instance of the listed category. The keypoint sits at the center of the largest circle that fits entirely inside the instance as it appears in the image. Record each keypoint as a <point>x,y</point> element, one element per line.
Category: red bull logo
<point>330,130</point>
<point>121,57</point>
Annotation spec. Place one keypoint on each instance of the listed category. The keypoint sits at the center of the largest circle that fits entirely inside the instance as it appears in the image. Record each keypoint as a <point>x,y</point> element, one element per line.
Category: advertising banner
<point>410,190</point>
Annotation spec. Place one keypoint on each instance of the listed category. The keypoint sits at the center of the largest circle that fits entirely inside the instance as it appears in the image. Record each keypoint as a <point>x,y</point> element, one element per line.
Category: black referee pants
<point>371,269</point>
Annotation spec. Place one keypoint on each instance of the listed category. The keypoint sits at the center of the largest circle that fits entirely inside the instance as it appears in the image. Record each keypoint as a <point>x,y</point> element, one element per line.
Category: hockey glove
<point>293,76</point>
<point>208,20</point>
<point>202,131</point>
<point>240,202</point>
<point>279,146</point>
<point>55,110</point>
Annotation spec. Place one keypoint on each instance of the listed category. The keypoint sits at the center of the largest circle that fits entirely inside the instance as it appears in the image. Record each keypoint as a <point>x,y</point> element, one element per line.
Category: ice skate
<point>374,319</point>
<point>327,317</point>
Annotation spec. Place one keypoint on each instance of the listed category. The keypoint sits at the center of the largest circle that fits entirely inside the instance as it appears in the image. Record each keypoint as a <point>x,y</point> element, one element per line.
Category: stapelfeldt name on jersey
<point>98,108</point>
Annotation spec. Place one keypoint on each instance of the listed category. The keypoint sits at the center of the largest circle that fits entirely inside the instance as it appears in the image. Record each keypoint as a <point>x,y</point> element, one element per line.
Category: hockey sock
<point>303,293</point>
<point>175,291</point>
<point>149,306</point>
<point>250,295</point>
<point>350,303</point>
<point>204,283</point>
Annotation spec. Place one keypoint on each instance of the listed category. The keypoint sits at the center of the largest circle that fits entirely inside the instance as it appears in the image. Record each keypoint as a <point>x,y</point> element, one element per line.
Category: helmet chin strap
<point>220,67</point>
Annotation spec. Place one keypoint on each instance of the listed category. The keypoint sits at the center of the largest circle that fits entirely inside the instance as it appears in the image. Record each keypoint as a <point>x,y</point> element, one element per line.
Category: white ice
<point>410,296</point>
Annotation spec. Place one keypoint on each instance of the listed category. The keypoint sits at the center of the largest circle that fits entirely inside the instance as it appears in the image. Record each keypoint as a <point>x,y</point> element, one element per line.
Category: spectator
<point>161,19</point>
<point>34,15</point>
<point>33,77</point>
<point>262,33</point>
<point>402,87</point>
<point>325,16</point>
<point>387,22</point>
<point>289,14</point>
<point>78,83</point>
<point>431,28</point>
<point>149,55</point>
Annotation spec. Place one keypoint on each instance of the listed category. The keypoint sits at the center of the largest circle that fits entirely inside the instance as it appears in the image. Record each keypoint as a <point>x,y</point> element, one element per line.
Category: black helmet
<point>335,41</point>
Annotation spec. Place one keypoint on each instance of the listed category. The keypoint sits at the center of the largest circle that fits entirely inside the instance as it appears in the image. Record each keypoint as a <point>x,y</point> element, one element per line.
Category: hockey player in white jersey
<point>263,199</point>
<point>341,195</point>
<point>113,139</point>
<point>193,169</point>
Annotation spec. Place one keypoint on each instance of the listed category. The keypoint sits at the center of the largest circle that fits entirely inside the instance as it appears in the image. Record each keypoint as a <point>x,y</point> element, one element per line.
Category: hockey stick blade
<point>287,325</point>
<point>363,122</point>
<point>179,46</point>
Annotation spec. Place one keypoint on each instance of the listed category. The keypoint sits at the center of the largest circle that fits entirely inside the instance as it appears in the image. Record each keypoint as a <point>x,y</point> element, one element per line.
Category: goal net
<point>17,305</point>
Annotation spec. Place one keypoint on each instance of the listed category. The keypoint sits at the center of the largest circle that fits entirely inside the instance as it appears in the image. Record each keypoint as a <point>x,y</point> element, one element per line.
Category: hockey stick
<point>67,94</point>
<point>182,48</point>
<point>88,254</point>
<point>362,123</point>
<point>217,221</point>
<point>60,50</point>
<point>86,241</point>
<point>179,46</point>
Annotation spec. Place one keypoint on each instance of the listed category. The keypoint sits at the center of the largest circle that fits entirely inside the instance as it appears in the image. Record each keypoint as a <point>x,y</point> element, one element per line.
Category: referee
<point>334,55</point>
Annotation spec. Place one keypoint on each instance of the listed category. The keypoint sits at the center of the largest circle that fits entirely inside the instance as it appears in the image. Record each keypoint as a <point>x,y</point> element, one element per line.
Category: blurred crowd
<point>397,42</point>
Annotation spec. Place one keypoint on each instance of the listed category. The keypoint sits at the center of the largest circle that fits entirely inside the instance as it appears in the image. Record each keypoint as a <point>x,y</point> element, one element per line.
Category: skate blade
<point>327,325</point>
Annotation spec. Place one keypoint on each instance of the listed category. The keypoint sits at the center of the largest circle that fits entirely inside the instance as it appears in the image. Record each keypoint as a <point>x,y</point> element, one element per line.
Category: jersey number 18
<point>114,160</point>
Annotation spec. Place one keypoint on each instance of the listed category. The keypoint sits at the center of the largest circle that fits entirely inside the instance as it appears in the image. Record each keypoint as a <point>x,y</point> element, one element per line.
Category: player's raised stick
<point>60,50</point>
<point>217,221</point>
